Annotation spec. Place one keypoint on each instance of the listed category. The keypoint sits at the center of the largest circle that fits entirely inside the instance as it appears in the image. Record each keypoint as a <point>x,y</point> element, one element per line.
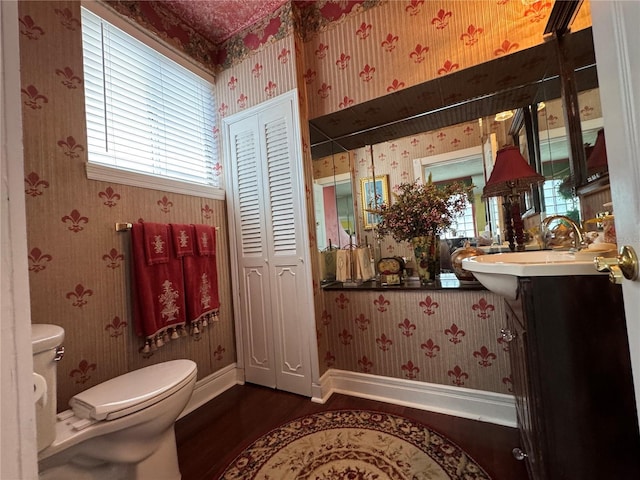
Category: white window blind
<point>145,113</point>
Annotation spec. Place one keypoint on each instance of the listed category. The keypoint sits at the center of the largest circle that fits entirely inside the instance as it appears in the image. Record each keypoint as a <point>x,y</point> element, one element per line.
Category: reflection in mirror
<point>558,196</point>
<point>466,167</point>
<point>333,200</point>
<point>452,153</point>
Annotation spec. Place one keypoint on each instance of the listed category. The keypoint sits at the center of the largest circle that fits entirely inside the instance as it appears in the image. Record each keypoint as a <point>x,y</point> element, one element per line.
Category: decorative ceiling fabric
<point>218,20</point>
<point>221,33</point>
<point>154,17</point>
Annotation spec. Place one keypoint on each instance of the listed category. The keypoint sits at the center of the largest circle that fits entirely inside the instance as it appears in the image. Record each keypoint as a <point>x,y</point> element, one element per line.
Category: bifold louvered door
<point>273,277</point>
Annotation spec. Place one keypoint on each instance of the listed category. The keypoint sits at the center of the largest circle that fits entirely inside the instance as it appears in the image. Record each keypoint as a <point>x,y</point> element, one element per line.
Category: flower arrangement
<point>422,209</point>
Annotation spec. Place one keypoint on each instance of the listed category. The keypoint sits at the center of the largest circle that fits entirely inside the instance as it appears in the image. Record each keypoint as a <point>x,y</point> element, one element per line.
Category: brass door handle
<point>625,265</point>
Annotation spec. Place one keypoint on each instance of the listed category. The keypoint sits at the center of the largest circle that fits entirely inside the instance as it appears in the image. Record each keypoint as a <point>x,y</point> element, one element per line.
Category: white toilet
<point>120,429</point>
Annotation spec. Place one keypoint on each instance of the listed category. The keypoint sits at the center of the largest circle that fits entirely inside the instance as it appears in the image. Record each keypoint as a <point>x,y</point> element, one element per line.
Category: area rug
<point>353,445</point>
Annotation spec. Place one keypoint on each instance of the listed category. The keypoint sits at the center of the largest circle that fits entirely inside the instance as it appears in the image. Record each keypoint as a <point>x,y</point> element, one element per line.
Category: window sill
<point>133,179</point>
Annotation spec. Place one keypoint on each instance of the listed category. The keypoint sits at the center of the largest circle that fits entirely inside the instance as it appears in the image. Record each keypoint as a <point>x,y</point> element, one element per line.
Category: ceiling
<point>218,20</point>
<point>506,83</point>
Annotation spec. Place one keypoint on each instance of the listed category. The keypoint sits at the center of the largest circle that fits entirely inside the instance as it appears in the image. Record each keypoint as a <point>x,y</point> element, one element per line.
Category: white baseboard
<point>461,402</point>
<point>210,387</point>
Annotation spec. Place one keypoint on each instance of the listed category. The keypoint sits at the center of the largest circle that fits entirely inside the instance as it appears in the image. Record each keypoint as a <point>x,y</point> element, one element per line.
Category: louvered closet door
<point>251,244</point>
<point>274,279</point>
<point>290,281</point>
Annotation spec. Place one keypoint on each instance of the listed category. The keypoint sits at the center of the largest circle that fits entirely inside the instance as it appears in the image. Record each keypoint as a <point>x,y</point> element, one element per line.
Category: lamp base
<point>514,223</point>
<point>509,224</point>
<point>518,225</point>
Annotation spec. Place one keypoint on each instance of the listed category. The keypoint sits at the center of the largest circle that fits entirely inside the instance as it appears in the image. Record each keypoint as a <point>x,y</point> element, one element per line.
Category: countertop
<point>446,281</point>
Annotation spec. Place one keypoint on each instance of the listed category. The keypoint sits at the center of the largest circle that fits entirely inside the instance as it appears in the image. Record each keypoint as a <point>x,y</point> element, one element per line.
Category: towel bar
<point>123,227</point>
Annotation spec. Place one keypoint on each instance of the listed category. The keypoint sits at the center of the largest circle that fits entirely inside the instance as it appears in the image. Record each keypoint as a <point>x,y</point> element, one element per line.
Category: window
<point>464,225</point>
<point>558,204</point>
<point>146,114</point>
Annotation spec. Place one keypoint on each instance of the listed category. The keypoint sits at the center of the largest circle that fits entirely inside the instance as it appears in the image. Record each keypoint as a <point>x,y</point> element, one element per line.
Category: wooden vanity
<point>571,374</point>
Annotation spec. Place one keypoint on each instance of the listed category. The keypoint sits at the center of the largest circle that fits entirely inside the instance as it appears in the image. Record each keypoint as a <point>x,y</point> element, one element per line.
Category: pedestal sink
<point>499,272</point>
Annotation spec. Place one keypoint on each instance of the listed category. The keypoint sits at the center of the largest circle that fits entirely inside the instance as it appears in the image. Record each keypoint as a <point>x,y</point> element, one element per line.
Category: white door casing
<point>273,280</point>
<point>616,38</point>
<point>18,445</point>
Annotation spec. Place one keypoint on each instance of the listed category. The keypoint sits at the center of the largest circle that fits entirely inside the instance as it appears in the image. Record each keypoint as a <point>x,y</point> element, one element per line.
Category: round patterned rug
<point>353,445</point>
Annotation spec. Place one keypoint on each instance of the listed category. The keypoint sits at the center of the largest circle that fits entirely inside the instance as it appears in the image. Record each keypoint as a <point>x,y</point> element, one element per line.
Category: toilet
<point>122,429</point>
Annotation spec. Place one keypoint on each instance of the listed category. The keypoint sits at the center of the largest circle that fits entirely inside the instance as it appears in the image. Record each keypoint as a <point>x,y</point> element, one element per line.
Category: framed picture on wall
<point>373,194</point>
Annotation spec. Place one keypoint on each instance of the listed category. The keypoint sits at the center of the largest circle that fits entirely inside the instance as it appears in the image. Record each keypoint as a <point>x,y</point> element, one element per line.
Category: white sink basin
<point>499,272</point>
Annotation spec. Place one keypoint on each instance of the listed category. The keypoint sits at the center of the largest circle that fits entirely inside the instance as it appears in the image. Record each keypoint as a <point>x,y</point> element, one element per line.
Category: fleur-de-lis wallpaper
<point>418,336</point>
<point>78,263</point>
<point>342,54</point>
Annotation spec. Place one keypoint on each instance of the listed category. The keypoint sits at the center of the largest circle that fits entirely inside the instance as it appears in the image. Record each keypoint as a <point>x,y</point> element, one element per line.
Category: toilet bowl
<point>120,429</point>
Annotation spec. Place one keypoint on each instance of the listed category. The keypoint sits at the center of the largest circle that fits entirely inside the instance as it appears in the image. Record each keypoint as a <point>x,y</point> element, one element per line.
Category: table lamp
<point>511,176</point>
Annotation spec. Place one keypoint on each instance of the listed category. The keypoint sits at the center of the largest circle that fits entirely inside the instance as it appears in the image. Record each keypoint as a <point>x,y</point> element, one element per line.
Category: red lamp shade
<point>597,161</point>
<point>511,174</point>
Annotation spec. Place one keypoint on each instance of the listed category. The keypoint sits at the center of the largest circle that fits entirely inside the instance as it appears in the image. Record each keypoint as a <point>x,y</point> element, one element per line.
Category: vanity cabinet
<point>571,374</point>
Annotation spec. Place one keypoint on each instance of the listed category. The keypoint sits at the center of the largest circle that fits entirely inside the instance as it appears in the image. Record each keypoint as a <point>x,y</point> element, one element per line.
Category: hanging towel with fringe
<point>158,284</point>
<point>201,276</point>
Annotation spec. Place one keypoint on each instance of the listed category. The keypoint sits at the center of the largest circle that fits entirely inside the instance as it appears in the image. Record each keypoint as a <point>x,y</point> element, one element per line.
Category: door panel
<point>292,352</point>
<point>276,296</point>
<point>259,358</point>
<point>249,221</point>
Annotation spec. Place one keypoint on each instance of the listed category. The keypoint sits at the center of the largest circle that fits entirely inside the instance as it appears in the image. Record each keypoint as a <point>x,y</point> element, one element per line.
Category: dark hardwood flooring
<point>209,438</point>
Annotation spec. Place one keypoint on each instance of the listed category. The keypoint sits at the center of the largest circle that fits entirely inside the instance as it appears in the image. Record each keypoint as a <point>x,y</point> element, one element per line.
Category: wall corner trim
<point>462,402</point>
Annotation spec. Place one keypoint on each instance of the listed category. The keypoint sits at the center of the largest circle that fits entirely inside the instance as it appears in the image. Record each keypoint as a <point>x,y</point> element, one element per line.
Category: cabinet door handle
<point>518,454</point>
<point>507,335</point>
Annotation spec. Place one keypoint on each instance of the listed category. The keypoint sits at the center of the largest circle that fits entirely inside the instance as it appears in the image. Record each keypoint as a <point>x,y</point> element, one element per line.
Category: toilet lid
<point>133,391</point>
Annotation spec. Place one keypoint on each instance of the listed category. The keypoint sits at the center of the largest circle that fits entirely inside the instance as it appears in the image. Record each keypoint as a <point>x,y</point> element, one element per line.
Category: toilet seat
<point>132,391</point>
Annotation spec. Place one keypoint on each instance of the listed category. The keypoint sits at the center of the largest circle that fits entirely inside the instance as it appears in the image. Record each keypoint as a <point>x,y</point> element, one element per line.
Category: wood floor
<point>209,438</point>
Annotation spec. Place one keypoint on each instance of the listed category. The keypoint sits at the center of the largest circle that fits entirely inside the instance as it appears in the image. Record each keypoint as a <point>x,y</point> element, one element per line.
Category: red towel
<point>183,239</point>
<point>201,276</point>
<point>205,240</point>
<point>158,283</point>
<point>156,243</point>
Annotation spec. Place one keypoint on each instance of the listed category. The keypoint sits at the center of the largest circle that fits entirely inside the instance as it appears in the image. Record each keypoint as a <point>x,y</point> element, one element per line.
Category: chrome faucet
<point>578,237</point>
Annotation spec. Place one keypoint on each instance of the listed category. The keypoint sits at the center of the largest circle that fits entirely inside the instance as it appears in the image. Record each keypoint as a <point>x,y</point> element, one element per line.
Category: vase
<point>426,250</point>
<point>456,262</point>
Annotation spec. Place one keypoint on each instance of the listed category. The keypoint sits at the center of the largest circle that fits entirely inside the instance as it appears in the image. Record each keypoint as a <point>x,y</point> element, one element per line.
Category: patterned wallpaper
<point>398,44</point>
<point>78,263</point>
<point>437,336</point>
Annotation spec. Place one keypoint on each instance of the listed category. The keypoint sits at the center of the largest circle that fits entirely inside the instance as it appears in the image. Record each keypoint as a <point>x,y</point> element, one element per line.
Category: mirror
<point>558,196</point>
<point>394,137</point>
<point>333,199</point>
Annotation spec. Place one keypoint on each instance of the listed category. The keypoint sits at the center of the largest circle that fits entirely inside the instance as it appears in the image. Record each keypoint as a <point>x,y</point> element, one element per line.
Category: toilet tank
<point>46,340</point>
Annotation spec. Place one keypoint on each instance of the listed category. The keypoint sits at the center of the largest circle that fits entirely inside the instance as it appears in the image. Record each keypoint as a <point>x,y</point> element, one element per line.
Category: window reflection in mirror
<point>333,201</point>
<point>465,167</point>
<point>558,196</point>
